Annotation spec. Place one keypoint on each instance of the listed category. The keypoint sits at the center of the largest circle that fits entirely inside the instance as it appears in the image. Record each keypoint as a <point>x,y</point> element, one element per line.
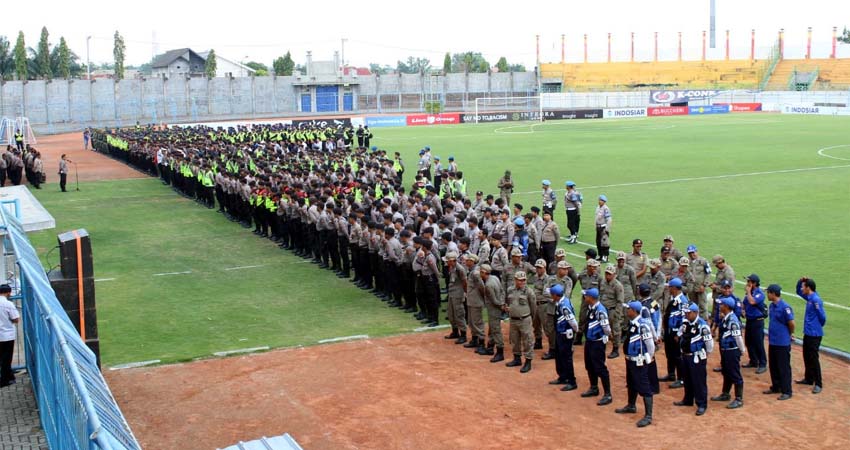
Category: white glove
<point>546,291</point>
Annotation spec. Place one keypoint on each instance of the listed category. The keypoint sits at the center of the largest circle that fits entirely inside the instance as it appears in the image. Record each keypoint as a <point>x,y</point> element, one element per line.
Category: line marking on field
<point>241,350</point>
<point>244,267</point>
<point>711,177</point>
<point>438,327</point>
<point>791,294</point>
<point>345,338</point>
<point>171,273</point>
<point>822,152</point>
<point>133,365</point>
<point>97,280</point>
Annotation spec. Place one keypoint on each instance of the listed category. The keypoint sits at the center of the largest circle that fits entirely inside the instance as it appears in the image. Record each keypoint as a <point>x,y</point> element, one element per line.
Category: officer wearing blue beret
<point>597,334</point>
<point>696,343</point>
<point>731,348</point>
<point>640,351</point>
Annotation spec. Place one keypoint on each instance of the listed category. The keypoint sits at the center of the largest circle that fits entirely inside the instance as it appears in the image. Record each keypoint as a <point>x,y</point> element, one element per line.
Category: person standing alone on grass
<point>815,319</point>
<point>603,228</point>
<point>8,318</point>
<point>63,172</point>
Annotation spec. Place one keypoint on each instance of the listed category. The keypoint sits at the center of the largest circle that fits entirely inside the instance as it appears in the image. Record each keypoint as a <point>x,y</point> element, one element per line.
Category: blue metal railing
<point>76,408</point>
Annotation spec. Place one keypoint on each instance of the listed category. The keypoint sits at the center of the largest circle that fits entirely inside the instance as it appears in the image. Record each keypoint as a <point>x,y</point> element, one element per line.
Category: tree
<point>21,57</point>
<point>516,68</point>
<point>845,37</point>
<point>379,69</point>
<point>447,63</point>
<point>42,56</point>
<point>502,65</point>
<point>210,65</point>
<point>64,59</point>
<point>118,53</point>
<point>414,65</point>
<point>7,62</point>
<point>260,69</point>
<point>284,65</point>
<point>469,62</point>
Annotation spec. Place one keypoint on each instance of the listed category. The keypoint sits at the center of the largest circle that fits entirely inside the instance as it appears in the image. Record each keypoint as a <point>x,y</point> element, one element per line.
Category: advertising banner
<point>708,109</point>
<point>433,119</point>
<point>322,122</point>
<point>624,113</point>
<point>568,114</point>
<point>742,107</point>
<point>386,121</point>
<point>660,97</point>
<point>815,110</point>
<point>667,111</point>
<point>488,117</point>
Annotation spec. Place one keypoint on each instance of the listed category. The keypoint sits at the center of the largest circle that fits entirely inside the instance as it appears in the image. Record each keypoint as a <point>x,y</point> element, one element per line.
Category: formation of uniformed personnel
<point>640,352</point>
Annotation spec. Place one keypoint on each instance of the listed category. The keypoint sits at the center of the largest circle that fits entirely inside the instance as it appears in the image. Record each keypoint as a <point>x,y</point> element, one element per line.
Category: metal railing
<point>76,408</point>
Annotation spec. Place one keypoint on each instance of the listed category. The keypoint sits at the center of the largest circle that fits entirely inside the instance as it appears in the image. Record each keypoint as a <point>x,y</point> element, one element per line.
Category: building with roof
<point>228,68</point>
<point>178,62</point>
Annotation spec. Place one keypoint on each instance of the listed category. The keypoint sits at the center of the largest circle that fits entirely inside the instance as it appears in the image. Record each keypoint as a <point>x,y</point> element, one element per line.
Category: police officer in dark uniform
<point>597,334</point>
<point>361,135</point>
<point>640,350</point>
<point>566,326</point>
<point>367,136</point>
<point>731,348</point>
<point>696,343</point>
<point>779,333</point>
<point>755,309</point>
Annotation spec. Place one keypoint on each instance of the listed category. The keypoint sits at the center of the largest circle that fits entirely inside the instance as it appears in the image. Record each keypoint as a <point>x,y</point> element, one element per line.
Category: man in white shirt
<point>8,318</point>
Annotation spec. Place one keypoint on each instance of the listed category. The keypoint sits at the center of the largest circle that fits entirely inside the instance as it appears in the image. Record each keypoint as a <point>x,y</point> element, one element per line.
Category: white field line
<point>345,338</point>
<point>97,280</point>
<point>790,294</point>
<point>822,152</point>
<point>135,364</point>
<point>711,177</point>
<point>241,350</point>
<point>438,327</point>
<point>171,273</point>
<point>243,267</point>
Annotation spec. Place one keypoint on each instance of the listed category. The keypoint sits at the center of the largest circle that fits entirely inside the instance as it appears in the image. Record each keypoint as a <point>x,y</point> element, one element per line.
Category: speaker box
<point>68,253</point>
<point>68,291</point>
<point>94,346</point>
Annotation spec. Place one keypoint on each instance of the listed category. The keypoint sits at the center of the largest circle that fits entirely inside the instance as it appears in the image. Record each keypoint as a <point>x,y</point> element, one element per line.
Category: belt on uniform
<point>687,354</point>
<point>521,318</point>
<point>727,349</point>
<point>539,302</point>
<point>634,358</point>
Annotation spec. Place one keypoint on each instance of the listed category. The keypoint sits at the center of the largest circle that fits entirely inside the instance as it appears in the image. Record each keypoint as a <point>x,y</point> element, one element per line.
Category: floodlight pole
<point>88,59</point>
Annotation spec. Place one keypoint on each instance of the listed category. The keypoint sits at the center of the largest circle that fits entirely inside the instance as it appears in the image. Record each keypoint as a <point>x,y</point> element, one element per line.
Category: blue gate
<point>327,98</point>
<point>348,101</point>
<point>305,102</point>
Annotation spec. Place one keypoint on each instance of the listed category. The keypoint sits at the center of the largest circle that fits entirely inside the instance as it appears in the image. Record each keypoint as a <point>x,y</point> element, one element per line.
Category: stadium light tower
<point>711,22</point>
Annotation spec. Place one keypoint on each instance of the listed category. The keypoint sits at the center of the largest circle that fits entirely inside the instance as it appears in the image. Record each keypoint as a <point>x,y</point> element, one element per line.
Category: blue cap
<point>546,182</point>
<point>603,198</point>
<point>725,283</point>
<point>422,152</point>
<point>730,302</point>
<point>592,292</point>
<point>451,158</point>
<point>693,307</point>
<point>569,184</point>
<point>519,222</point>
<point>775,288</point>
<point>427,148</point>
<point>692,248</point>
<point>437,158</point>
<point>374,148</point>
<point>635,306</point>
<point>675,282</point>
<point>557,290</point>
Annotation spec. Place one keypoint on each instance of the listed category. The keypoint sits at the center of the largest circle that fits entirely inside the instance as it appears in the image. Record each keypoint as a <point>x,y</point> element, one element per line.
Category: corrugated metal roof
<point>285,442</point>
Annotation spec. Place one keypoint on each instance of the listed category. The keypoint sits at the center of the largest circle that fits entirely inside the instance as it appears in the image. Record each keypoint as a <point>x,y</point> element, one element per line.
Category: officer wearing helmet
<point>597,334</point>
<point>572,202</point>
<point>566,327</point>
<point>640,352</point>
<point>673,318</point>
<point>549,198</point>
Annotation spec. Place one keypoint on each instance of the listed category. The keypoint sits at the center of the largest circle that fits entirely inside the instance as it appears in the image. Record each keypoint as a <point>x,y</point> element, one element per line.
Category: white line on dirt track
<point>438,327</point>
<point>345,338</point>
<point>241,350</point>
<point>790,294</point>
<point>244,267</point>
<point>135,364</point>
<point>712,177</point>
<point>171,273</point>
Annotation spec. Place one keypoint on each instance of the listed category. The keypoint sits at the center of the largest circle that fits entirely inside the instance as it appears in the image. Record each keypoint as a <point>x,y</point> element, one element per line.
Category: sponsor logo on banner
<point>742,107</point>
<point>433,119</point>
<point>489,117</point>
<point>680,96</point>
<point>569,114</point>
<point>815,110</point>
<point>667,111</point>
<point>622,113</point>
<point>323,123</point>
<point>708,109</point>
<point>386,121</point>
<point>525,115</point>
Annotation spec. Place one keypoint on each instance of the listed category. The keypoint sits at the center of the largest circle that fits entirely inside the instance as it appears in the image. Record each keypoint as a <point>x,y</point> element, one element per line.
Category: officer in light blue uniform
<point>640,351</point>
<point>566,327</point>
<point>696,343</point>
<point>731,348</point>
<point>674,316</point>
<point>549,198</point>
<point>650,313</point>
<point>597,334</point>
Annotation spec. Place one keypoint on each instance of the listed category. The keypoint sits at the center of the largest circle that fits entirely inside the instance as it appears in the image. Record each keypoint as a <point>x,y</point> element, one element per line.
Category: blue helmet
<point>692,248</point>
<point>675,282</point>
<point>557,290</point>
<point>693,307</point>
<point>635,306</point>
<point>603,198</point>
<point>569,184</point>
<point>730,302</point>
<point>519,222</point>
<point>546,182</point>
<point>592,292</point>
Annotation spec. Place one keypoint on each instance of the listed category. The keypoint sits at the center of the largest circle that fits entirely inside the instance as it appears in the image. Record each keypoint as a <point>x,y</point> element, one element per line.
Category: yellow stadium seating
<point>832,73</point>
<point>692,74</point>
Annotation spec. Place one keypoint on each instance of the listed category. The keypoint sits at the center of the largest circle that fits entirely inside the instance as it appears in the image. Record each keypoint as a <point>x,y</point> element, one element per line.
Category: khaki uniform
<point>455,309</point>
<point>657,286</point>
<point>626,277</point>
<point>726,273</point>
<point>538,283</point>
<point>522,303</point>
<point>511,270</point>
<point>494,298</point>
<point>669,267</point>
<point>475,303</point>
<point>639,262</point>
<point>587,282</point>
<point>506,189</point>
<point>611,296</point>
<point>550,309</point>
<point>701,271</point>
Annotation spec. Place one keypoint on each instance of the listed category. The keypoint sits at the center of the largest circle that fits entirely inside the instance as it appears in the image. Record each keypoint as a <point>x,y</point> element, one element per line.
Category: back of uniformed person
<point>779,333</point>
<point>724,273</point>
<point>474,303</point>
<point>521,304</point>
<point>674,317</point>
<point>588,279</point>
<point>494,299</point>
<point>611,295</point>
<point>561,278</point>
<point>731,349</point>
<point>457,288</point>
<point>550,234</point>
<point>755,311</point>
<point>566,326</point>
<point>572,203</point>
<point>640,352</point>
<point>650,313</point>
<point>701,270</point>
<point>696,343</point>
<point>603,228</point>
<point>597,333</point>
<point>537,281</point>
<point>628,278</point>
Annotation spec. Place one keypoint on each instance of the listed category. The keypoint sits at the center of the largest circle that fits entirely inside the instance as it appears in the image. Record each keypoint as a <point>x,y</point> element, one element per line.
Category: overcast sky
<point>386,31</point>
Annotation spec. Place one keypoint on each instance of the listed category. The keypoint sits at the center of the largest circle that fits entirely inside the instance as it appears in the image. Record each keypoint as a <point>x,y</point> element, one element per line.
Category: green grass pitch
<point>751,187</point>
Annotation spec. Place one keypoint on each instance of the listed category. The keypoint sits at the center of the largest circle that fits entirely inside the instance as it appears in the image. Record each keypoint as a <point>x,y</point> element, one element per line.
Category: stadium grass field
<point>752,187</point>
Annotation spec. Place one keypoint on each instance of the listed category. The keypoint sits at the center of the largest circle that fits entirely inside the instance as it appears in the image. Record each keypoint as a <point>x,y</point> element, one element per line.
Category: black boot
<point>739,397</point>
<point>538,344</point>
<point>615,353</point>
<point>499,356</point>
<point>453,335</point>
<point>461,338</point>
<point>488,350</point>
<point>473,343</point>
<point>526,367</point>
<point>577,340</point>
<point>647,417</point>
<point>549,355</point>
<point>517,361</point>
<point>606,396</point>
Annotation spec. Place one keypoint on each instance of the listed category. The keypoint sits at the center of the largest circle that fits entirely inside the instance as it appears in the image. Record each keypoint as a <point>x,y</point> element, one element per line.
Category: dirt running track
<point>423,392</point>
<point>92,166</point>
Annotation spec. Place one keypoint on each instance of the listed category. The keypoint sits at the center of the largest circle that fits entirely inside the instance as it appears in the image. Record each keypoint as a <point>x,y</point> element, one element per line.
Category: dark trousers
<point>6,374</point>
<point>779,357</point>
<point>694,378</point>
<point>811,358</point>
<point>63,178</point>
<point>564,359</point>
<point>637,381</point>
<point>602,251</point>
<point>674,355</point>
<point>652,372</point>
<point>432,296</point>
<point>343,255</point>
<point>333,249</point>
<point>573,221</point>
<point>547,251</point>
<point>730,365</point>
<point>408,286</point>
<point>533,254</point>
<point>594,362</point>
<point>754,339</point>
